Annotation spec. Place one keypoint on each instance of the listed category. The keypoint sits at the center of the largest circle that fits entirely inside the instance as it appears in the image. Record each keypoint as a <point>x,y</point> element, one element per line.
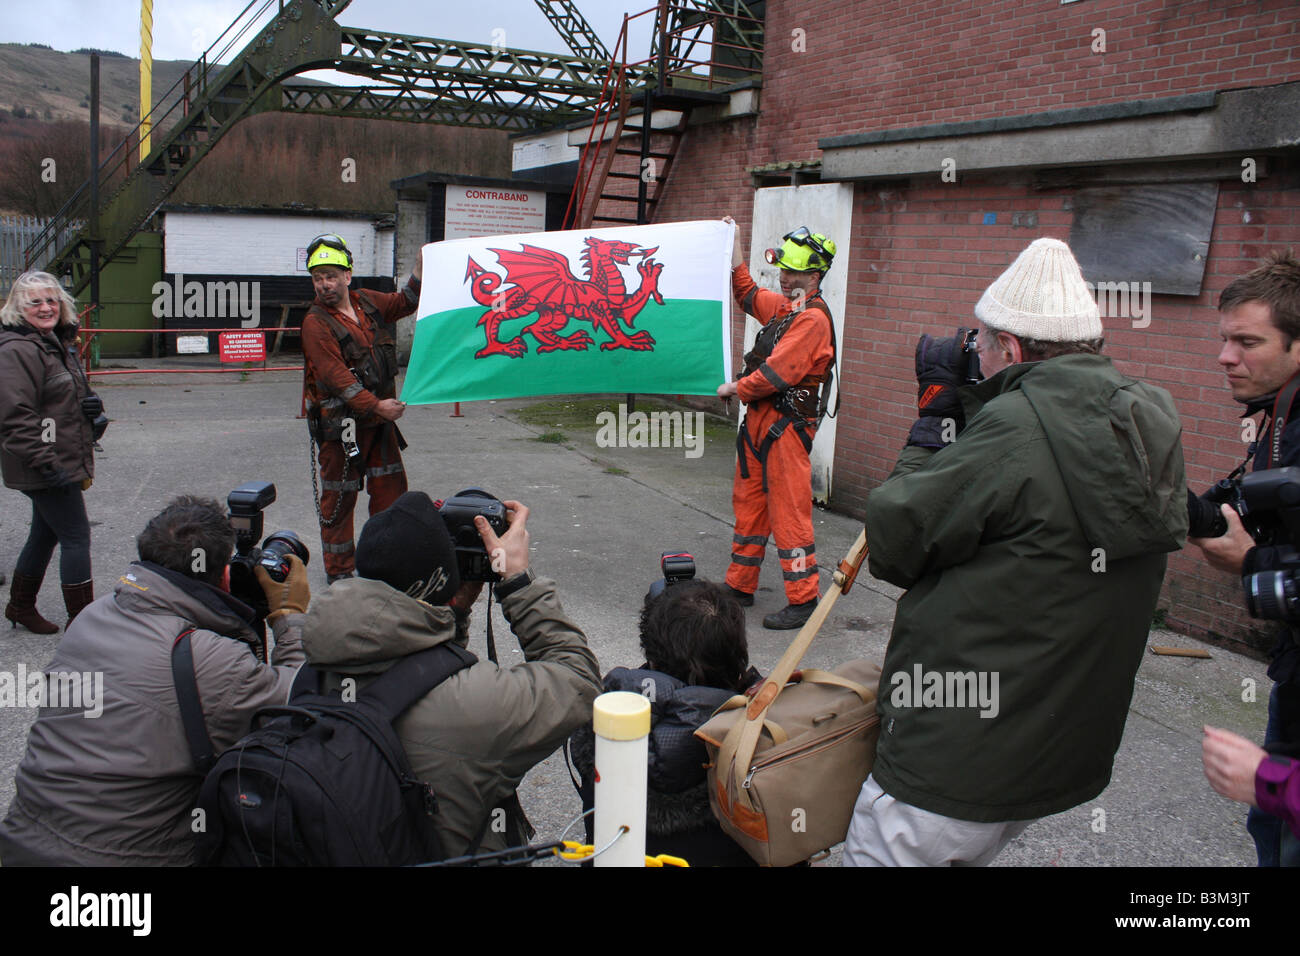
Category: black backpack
<point>321,782</point>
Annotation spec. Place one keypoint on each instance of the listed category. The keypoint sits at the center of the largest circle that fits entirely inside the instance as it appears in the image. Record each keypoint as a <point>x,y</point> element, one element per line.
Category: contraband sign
<point>638,309</point>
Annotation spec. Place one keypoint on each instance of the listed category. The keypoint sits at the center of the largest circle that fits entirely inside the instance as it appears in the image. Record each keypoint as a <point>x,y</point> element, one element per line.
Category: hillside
<point>271,160</point>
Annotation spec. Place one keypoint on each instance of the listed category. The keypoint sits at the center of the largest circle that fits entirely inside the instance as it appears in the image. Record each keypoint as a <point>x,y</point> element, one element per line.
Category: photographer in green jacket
<point>1032,545</point>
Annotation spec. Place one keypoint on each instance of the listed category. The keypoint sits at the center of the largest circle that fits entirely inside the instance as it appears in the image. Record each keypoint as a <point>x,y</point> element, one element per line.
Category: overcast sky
<point>184,28</point>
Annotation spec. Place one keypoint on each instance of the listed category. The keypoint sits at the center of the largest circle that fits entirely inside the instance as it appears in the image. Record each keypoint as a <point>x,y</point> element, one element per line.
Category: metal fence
<point>16,234</point>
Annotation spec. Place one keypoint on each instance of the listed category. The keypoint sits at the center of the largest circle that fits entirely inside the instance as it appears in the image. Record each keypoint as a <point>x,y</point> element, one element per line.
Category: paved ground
<point>600,518</point>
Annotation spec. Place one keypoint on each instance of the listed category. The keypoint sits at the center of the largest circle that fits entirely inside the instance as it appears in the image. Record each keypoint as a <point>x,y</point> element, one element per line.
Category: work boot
<point>790,617</point>
<point>743,598</point>
<point>21,608</point>
<point>76,597</point>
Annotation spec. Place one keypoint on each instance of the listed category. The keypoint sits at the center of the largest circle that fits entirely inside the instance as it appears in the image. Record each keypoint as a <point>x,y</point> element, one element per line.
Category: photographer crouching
<point>1260,328</point>
<point>108,778</point>
<point>420,566</point>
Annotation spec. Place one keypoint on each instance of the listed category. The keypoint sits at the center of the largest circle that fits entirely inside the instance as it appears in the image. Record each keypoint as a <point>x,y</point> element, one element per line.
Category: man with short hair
<point>349,382</point>
<point>1032,546</point>
<point>118,787</point>
<point>782,387</point>
<point>474,735</point>
<point>1260,328</point>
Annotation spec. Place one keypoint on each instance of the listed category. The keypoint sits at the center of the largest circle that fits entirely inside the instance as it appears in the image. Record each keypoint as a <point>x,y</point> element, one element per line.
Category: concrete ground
<point>600,518</point>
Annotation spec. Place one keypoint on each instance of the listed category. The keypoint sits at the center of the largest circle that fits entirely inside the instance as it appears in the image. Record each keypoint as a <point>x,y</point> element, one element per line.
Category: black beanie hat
<point>407,544</point>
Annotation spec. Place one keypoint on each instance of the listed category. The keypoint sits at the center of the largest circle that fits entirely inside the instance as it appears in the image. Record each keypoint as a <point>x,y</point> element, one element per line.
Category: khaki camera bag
<point>786,767</point>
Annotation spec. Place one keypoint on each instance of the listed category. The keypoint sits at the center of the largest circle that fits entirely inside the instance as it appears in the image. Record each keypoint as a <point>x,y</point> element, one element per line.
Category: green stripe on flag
<point>686,359</point>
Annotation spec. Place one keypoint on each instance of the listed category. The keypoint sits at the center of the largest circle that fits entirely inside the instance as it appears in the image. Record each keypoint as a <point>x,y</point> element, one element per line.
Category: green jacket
<point>473,737</point>
<point>1032,549</point>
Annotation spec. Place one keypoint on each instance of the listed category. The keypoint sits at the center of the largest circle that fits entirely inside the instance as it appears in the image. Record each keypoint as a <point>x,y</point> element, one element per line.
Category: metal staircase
<point>626,161</point>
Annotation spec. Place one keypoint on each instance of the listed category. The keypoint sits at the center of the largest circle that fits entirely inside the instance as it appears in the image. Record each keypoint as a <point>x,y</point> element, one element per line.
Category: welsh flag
<point>639,309</point>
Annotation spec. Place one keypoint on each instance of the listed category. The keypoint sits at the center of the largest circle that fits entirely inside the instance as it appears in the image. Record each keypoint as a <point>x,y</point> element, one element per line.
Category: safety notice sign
<point>242,346</point>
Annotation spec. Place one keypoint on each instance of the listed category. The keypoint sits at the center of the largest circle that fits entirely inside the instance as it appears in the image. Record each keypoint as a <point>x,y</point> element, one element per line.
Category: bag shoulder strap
<point>737,749</point>
<point>394,691</point>
<point>187,695</point>
<point>820,305</point>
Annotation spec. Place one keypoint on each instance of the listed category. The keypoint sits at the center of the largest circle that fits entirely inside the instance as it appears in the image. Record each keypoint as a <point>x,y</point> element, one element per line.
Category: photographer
<point>1028,518</point>
<point>1260,328</point>
<point>696,659</point>
<point>113,782</point>
<point>474,735</point>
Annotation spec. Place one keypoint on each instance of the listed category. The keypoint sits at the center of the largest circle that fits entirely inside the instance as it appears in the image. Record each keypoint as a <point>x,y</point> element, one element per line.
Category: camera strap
<point>1281,415</point>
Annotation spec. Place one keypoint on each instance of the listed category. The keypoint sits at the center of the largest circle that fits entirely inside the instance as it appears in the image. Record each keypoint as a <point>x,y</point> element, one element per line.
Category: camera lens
<point>1271,595</point>
<point>276,550</point>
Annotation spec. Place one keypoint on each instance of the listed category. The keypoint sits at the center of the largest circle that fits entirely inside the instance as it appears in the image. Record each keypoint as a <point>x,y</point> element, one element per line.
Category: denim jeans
<point>58,517</point>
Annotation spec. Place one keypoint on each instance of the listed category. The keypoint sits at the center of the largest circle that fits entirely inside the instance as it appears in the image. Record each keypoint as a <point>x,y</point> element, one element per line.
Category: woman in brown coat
<point>47,438</point>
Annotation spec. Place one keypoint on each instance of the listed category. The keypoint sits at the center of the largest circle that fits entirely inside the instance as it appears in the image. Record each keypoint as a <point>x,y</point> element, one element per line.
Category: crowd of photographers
<point>1054,457</point>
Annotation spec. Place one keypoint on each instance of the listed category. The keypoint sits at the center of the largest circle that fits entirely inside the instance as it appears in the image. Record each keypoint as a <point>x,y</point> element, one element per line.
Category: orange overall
<point>334,394</point>
<point>772,495</point>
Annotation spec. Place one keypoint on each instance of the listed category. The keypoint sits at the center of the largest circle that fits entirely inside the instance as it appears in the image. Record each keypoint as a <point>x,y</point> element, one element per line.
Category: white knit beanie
<point>1042,296</point>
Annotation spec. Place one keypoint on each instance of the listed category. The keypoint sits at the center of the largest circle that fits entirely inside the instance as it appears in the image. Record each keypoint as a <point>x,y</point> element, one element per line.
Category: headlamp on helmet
<point>802,251</point>
<point>328,250</point>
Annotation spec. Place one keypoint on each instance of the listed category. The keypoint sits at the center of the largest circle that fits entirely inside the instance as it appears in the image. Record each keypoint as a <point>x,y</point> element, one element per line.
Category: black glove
<point>92,406</point>
<point>55,478</point>
<point>98,426</point>
<point>940,368</point>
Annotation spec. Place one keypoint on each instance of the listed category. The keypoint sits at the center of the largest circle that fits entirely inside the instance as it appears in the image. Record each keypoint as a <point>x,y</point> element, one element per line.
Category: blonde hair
<point>11,314</point>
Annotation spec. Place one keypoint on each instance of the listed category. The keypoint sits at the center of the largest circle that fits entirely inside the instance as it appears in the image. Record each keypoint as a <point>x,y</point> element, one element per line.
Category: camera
<point>458,514</point>
<point>246,504</point>
<point>1267,501</point>
<point>677,566</point>
<point>1269,505</point>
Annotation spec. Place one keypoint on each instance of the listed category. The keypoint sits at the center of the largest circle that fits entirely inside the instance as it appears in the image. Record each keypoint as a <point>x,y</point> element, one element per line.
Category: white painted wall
<point>826,208</point>
<point>238,243</point>
<point>543,149</point>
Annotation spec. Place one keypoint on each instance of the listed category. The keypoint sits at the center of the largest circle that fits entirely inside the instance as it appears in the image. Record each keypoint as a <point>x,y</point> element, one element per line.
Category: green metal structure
<point>417,79</point>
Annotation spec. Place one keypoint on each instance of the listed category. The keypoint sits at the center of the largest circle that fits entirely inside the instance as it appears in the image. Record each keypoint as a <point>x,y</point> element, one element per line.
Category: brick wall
<point>923,253</point>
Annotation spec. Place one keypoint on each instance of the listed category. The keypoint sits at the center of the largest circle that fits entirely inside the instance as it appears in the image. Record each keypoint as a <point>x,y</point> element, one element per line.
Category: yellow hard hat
<point>803,251</point>
<point>328,250</point>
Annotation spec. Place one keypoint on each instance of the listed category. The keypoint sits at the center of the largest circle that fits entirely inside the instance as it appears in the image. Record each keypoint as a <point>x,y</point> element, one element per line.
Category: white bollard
<point>622,724</point>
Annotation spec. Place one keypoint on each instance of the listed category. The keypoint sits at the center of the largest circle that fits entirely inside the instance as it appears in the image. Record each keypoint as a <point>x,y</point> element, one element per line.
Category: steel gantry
<point>417,79</point>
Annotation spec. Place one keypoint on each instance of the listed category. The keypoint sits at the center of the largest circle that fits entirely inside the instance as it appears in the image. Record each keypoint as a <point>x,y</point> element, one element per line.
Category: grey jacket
<point>41,422</point>
<point>473,737</point>
<point>119,788</point>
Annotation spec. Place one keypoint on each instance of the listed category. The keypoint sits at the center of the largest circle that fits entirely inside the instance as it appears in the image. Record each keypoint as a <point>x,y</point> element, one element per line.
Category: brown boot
<point>76,597</point>
<point>21,608</point>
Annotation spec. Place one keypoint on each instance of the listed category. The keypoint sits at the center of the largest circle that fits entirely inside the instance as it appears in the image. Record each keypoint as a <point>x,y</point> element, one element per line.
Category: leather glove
<point>98,425</point>
<point>940,368</point>
<point>55,478</point>
<point>92,406</point>
<point>290,596</point>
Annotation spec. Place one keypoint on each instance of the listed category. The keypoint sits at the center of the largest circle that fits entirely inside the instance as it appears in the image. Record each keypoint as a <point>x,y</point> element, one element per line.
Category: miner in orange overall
<point>349,384</point>
<point>786,382</point>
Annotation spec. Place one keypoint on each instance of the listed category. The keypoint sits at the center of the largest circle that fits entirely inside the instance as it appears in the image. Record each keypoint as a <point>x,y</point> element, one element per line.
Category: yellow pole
<point>146,74</point>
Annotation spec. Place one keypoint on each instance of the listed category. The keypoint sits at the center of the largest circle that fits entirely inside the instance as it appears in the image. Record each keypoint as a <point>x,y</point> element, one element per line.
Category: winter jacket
<point>1033,550</point>
<point>119,788</point>
<point>679,820</point>
<point>42,426</point>
<point>474,736</point>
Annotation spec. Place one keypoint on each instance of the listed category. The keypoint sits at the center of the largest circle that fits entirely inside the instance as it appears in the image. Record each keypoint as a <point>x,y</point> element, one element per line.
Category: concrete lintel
<point>1242,122</point>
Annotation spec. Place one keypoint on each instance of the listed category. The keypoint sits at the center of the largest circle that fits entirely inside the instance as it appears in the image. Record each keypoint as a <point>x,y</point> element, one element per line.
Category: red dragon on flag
<point>543,283</point>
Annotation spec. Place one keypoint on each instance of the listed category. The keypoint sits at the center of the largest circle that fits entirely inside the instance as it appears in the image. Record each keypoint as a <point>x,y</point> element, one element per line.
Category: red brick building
<point>1161,138</point>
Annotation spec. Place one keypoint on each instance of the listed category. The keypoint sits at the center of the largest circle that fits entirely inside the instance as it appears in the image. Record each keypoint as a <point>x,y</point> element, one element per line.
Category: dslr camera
<point>246,504</point>
<point>677,566</point>
<point>458,514</point>
<point>1269,505</point>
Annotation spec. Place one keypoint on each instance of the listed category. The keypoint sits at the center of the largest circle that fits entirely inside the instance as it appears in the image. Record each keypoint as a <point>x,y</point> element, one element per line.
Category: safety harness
<point>800,407</point>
